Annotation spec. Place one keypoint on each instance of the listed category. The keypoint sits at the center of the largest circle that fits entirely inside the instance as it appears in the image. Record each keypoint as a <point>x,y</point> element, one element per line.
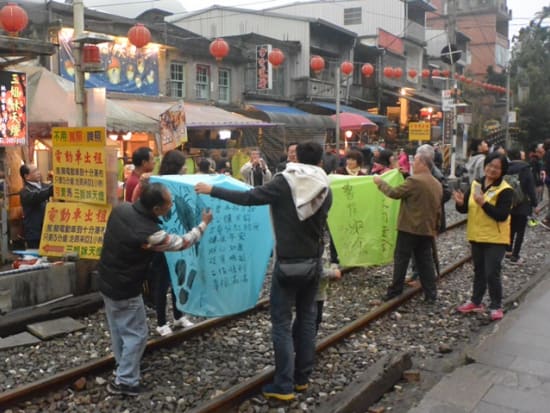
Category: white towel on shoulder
<point>309,186</point>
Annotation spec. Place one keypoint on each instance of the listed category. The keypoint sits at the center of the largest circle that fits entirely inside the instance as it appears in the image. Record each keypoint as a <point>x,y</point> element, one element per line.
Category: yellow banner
<point>79,165</point>
<point>420,131</point>
<point>73,228</point>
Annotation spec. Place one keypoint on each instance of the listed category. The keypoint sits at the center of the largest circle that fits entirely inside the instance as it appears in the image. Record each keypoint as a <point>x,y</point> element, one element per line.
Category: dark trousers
<point>420,247</point>
<point>161,282</point>
<point>293,339</point>
<point>517,232</point>
<point>487,260</point>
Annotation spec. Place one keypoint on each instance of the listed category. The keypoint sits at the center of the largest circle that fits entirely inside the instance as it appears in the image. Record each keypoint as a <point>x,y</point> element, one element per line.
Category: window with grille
<point>224,84</point>
<point>202,82</point>
<point>352,15</point>
<point>177,80</point>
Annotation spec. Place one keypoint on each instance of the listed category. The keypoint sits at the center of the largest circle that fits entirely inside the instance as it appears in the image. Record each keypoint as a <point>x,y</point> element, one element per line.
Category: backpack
<point>519,196</point>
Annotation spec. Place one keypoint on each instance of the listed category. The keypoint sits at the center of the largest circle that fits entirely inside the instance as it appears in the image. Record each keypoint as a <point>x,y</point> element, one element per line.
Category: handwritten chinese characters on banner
<point>79,164</point>
<point>224,273</point>
<point>362,220</point>
<point>73,228</point>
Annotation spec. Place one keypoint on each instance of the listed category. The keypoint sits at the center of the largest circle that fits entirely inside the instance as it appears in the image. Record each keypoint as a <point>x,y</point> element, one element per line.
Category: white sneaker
<point>164,330</point>
<point>183,322</point>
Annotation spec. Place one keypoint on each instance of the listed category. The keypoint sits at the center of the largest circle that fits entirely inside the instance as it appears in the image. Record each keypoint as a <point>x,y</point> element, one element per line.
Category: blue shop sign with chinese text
<point>224,273</point>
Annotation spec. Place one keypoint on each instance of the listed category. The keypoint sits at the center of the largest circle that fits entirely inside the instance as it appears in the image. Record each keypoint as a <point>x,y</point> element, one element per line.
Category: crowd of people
<point>504,189</point>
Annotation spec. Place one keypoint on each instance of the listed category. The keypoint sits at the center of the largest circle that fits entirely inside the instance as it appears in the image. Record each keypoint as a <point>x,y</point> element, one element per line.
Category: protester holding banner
<point>132,237</point>
<point>300,198</point>
<point>34,196</point>
<point>255,172</point>
<point>417,225</point>
<point>429,150</point>
<point>144,162</point>
<point>173,163</point>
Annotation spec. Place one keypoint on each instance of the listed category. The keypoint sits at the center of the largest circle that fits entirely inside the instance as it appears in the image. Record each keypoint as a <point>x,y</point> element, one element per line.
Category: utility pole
<point>507,137</point>
<point>451,31</point>
<point>79,91</point>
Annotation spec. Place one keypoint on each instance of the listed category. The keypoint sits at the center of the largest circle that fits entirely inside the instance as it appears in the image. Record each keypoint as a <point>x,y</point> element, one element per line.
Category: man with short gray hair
<point>417,225</point>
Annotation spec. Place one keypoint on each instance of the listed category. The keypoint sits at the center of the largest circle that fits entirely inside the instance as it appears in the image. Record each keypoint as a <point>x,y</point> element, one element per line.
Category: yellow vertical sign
<point>79,165</point>
<point>420,131</point>
<point>71,227</point>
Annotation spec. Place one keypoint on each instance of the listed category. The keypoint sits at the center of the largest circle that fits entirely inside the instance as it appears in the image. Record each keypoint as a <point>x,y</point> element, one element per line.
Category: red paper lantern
<point>90,54</point>
<point>219,49</point>
<point>412,73</point>
<point>424,112</point>
<point>388,71</point>
<point>445,73</point>
<point>276,57</point>
<point>436,73</point>
<point>13,18</point>
<point>462,78</point>
<point>426,73</point>
<point>367,70</point>
<point>346,68</point>
<point>397,72</point>
<point>139,35</point>
<point>469,80</point>
<point>317,63</point>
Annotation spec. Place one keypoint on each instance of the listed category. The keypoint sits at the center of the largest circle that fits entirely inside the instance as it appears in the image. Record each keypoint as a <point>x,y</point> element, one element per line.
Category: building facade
<point>485,23</point>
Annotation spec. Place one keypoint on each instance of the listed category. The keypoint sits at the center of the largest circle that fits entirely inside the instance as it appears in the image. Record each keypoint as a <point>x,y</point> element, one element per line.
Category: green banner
<point>362,220</point>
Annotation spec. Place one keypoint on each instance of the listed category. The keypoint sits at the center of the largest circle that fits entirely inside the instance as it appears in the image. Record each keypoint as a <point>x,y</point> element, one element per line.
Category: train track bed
<point>185,376</point>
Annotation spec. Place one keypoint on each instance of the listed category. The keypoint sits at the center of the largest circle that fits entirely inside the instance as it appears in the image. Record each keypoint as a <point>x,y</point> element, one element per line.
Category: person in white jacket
<point>255,172</point>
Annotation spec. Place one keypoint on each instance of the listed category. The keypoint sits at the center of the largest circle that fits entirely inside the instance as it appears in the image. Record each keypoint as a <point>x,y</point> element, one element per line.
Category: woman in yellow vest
<point>488,203</point>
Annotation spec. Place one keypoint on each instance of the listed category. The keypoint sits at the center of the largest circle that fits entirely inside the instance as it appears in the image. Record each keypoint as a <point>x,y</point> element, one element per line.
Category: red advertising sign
<point>13,109</point>
<point>264,77</point>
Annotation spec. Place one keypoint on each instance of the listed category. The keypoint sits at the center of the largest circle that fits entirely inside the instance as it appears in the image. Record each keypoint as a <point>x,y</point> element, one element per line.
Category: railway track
<point>235,394</point>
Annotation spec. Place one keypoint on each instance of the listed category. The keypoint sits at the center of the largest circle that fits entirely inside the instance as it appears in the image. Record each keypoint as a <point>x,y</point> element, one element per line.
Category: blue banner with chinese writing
<point>224,273</point>
<point>362,220</point>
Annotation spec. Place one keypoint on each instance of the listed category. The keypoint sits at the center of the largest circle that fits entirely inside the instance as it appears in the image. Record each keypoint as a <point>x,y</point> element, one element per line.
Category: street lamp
<point>80,38</point>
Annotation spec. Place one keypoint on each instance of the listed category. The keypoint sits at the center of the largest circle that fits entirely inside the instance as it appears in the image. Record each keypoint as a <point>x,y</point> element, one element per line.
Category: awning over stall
<point>51,101</point>
<point>196,115</point>
<point>379,119</point>
<point>290,116</point>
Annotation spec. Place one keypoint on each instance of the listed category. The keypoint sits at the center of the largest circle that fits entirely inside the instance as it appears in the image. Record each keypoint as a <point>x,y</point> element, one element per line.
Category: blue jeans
<point>294,358</point>
<point>128,327</point>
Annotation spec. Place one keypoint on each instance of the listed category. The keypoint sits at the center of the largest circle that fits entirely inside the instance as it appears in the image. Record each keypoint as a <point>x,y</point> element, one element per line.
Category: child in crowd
<point>331,273</point>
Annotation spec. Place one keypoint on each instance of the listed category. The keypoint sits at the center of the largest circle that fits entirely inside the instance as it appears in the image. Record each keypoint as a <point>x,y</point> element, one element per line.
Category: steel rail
<point>240,392</point>
<point>27,391</point>
<point>236,393</point>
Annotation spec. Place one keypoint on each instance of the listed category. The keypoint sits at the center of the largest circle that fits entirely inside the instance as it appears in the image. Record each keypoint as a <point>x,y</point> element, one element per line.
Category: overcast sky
<point>523,10</point>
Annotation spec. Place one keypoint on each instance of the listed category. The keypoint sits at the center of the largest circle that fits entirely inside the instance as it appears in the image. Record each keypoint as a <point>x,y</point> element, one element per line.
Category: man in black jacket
<point>300,198</point>
<point>34,197</point>
<point>521,211</point>
<point>132,236</point>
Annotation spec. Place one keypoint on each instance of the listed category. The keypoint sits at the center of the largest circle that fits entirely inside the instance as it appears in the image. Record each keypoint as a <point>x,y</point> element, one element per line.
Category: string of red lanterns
<point>317,64</point>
